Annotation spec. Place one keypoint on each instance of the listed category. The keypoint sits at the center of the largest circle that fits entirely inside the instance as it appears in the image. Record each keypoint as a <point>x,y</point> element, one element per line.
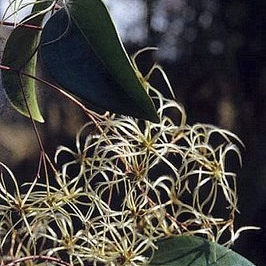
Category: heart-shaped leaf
<point>191,250</point>
<point>82,52</point>
<point>20,54</point>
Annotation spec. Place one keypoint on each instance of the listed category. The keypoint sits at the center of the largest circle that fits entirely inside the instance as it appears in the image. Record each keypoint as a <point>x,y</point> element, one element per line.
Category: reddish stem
<point>28,26</point>
<point>46,83</point>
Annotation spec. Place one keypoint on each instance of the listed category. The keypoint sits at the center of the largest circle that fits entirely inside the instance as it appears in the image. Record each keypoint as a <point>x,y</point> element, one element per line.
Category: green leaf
<point>20,54</point>
<point>191,250</point>
<point>82,52</point>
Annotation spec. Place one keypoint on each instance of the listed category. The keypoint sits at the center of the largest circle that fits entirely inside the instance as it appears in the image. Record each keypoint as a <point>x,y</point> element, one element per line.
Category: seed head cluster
<point>126,184</point>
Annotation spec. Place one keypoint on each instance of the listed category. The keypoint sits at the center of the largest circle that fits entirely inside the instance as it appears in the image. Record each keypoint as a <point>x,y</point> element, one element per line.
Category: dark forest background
<point>213,52</point>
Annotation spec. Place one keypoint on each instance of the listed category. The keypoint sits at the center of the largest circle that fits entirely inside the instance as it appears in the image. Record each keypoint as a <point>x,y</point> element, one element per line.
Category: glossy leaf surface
<point>190,250</point>
<point>83,54</point>
<point>20,54</point>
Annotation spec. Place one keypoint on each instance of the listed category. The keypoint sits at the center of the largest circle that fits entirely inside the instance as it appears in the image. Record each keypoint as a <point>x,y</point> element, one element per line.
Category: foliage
<point>87,62</point>
<point>184,250</point>
<point>20,87</point>
<point>132,189</point>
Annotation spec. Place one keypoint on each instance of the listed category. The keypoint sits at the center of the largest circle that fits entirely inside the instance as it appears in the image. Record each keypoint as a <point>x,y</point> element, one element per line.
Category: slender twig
<point>22,25</point>
<point>56,88</point>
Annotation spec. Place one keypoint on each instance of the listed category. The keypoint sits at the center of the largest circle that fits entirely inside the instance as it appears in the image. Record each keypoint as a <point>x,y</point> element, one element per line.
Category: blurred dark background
<point>213,52</point>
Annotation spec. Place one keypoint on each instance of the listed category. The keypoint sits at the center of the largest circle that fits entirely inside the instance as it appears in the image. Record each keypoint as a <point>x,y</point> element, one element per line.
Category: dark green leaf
<point>189,251</point>
<point>20,54</point>
<point>83,53</point>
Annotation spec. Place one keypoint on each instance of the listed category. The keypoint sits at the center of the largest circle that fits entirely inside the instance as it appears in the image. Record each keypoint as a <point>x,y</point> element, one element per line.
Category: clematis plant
<point>142,186</point>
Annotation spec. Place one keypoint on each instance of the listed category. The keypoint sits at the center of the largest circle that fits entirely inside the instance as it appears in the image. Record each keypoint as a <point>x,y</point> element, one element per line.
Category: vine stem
<point>28,26</point>
<point>58,89</point>
<point>65,94</point>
